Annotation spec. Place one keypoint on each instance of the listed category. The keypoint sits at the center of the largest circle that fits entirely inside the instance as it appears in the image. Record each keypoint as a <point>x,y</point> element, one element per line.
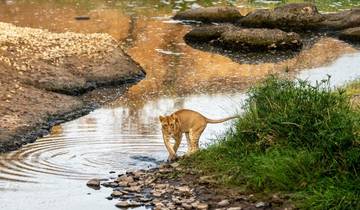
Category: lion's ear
<point>161,118</point>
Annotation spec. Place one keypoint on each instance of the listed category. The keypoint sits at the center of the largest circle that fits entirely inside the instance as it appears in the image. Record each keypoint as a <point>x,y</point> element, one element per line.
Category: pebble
<point>223,203</point>
<point>93,183</point>
<point>234,208</point>
<point>123,204</point>
<point>261,204</point>
<point>116,194</point>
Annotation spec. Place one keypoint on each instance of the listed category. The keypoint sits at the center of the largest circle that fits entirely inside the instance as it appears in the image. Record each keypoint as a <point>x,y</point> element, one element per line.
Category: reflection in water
<point>120,139</point>
<point>125,134</point>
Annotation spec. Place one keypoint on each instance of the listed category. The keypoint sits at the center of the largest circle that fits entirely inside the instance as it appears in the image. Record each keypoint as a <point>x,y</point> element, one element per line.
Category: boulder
<point>351,34</point>
<point>260,39</point>
<point>341,20</point>
<point>210,14</point>
<point>290,17</point>
<point>207,33</point>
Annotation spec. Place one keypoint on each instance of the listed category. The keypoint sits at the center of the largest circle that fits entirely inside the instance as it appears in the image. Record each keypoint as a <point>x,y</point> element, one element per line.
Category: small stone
<point>184,189</point>
<point>122,204</point>
<point>116,194</point>
<point>186,206</point>
<point>93,183</point>
<point>261,204</point>
<point>202,206</point>
<point>175,165</point>
<point>111,172</point>
<point>161,186</point>
<point>234,208</point>
<point>109,198</point>
<point>223,203</point>
<point>133,189</point>
<point>145,199</point>
<point>125,178</point>
<point>123,184</point>
<point>125,204</point>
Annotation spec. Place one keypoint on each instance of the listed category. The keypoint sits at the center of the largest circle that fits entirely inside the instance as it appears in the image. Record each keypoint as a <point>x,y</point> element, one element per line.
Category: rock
<point>145,199</point>
<point>184,189</point>
<point>202,206</point>
<point>341,20</point>
<point>93,183</point>
<point>126,204</point>
<point>223,203</point>
<point>125,179</point>
<point>207,33</point>
<point>260,39</point>
<point>116,194</point>
<point>293,17</point>
<point>123,184</point>
<point>186,206</point>
<point>351,34</point>
<point>133,189</point>
<point>162,186</point>
<point>110,184</point>
<point>210,14</point>
<point>261,204</point>
<point>175,165</point>
<point>234,208</point>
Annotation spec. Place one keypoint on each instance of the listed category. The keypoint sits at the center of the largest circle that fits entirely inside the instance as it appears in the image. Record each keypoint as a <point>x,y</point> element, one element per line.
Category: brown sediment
<point>43,74</point>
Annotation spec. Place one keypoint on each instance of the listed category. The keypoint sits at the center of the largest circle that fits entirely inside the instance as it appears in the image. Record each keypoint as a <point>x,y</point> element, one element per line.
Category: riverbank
<point>39,69</point>
<point>273,158</point>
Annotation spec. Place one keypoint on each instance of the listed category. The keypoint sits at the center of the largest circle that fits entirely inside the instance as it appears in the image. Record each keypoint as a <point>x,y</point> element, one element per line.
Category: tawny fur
<point>186,121</point>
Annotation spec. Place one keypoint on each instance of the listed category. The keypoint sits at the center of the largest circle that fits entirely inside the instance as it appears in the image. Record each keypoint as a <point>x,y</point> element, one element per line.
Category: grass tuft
<point>295,138</point>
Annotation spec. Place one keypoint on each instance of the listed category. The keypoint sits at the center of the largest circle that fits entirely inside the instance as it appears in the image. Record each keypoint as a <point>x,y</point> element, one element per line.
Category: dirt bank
<point>44,76</point>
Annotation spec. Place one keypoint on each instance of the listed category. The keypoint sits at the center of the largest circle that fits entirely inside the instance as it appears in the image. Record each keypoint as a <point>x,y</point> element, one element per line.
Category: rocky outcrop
<point>351,34</point>
<point>207,33</point>
<point>210,14</point>
<point>254,39</point>
<point>341,20</point>
<point>294,17</point>
<point>259,39</point>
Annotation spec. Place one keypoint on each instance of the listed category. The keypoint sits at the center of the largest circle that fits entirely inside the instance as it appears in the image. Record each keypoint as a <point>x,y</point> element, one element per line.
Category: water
<point>125,134</point>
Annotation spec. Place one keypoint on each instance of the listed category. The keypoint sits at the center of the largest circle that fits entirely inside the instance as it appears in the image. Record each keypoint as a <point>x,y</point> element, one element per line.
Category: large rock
<point>351,34</point>
<point>293,17</point>
<point>207,33</point>
<point>341,20</point>
<point>210,14</point>
<point>260,39</point>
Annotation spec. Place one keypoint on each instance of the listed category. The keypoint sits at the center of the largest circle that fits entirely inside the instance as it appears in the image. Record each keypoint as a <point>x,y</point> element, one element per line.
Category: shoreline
<point>175,186</point>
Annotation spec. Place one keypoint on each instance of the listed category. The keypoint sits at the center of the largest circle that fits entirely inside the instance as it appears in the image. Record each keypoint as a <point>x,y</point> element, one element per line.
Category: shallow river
<point>125,134</point>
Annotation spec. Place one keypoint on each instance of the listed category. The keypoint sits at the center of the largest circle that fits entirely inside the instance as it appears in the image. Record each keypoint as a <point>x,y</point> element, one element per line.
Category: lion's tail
<point>221,120</point>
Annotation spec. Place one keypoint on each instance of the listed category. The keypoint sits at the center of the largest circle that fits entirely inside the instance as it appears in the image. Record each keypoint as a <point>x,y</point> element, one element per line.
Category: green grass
<point>293,138</point>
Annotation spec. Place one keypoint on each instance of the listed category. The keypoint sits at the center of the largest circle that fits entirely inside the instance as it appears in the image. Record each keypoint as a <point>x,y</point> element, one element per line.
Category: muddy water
<point>125,134</point>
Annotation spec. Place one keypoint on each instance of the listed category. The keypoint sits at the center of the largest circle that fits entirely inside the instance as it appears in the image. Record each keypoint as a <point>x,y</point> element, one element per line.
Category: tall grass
<point>295,138</point>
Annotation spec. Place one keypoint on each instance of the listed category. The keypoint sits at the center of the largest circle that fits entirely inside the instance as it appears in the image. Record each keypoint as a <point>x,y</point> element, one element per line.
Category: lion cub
<point>186,121</point>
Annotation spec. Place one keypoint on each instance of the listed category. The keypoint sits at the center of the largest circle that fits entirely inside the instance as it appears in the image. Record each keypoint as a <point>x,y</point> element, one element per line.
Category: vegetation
<point>293,138</point>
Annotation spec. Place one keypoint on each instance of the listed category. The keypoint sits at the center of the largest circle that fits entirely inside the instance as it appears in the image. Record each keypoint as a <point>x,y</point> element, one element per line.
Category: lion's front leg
<point>172,153</point>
